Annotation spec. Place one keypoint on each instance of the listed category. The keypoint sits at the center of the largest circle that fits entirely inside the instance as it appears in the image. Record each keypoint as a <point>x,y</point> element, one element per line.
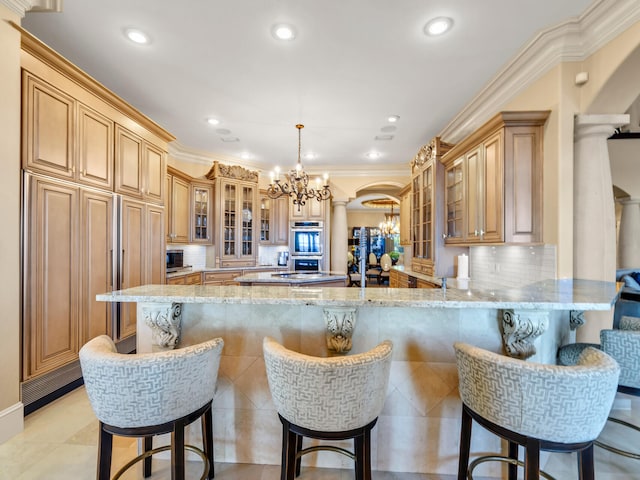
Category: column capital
<point>629,201</point>
<point>598,125</point>
<point>339,203</point>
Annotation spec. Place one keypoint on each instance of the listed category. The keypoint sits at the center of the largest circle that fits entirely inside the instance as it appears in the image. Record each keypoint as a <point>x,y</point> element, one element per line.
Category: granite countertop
<point>568,294</point>
<point>188,270</point>
<point>301,278</point>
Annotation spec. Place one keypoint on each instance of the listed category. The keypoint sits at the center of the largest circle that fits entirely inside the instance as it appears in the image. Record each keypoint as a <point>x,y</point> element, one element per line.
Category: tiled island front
<point>418,430</point>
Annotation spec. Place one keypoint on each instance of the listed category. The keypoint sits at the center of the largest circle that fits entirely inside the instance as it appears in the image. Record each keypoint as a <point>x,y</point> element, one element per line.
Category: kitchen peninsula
<point>419,426</point>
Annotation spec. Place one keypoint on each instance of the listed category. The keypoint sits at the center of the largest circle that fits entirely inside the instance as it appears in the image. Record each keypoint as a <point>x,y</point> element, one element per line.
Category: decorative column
<point>339,236</point>
<point>629,234</point>
<point>594,223</point>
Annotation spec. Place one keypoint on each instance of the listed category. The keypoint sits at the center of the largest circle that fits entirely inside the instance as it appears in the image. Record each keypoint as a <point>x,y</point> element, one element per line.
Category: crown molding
<point>186,154</point>
<point>571,41</point>
<point>21,7</point>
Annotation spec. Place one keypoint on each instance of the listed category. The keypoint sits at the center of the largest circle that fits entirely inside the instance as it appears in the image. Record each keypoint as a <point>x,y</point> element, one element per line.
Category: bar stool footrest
<point>500,458</point>
<point>164,448</point>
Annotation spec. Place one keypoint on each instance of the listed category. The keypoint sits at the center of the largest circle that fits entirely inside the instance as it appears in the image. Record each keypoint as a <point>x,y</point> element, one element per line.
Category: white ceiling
<point>353,63</point>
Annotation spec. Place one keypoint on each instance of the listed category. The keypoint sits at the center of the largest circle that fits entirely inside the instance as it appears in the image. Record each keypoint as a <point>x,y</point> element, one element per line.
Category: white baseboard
<point>11,421</point>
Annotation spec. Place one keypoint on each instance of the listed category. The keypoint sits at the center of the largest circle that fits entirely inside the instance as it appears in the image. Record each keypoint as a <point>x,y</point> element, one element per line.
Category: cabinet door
<point>315,209</point>
<point>493,189</point>
<point>454,200</point>
<point>427,213</point>
<point>229,223</point>
<point>247,196</point>
<point>95,148</point>
<point>180,198</point>
<point>156,251</point>
<point>51,277</point>
<point>266,220</point>
<point>154,169</point>
<point>405,219</point>
<point>47,116</point>
<point>168,208</point>
<point>132,254</point>
<point>201,214</point>
<point>280,229</point>
<point>128,162</point>
<point>474,203</point>
<point>96,224</point>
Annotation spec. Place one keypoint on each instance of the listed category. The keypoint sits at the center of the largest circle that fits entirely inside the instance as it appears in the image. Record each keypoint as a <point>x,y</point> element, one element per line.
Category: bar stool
<point>142,395</point>
<point>623,344</point>
<point>534,405</point>
<point>335,398</point>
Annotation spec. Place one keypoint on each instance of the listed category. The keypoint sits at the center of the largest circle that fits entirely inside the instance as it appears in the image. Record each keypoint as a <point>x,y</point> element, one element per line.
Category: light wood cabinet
<point>493,182</point>
<point>426,195</point>
<point>274,220</point>
<point>178,207</point>
<point>221,278</point>
<point>188,279</point>
<point>311,210</point>
<point>96,276</point>
<point>57,144</point>
<point>140,167</point>
<point>405,215</point>
<point>51,327</point>
<point>68,260</point>
<point>142,256</point>
<point>237,215</point>
<point>201,213</point>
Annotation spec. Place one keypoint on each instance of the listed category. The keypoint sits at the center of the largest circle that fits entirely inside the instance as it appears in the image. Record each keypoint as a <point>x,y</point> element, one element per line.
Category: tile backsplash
<point>512,265</point>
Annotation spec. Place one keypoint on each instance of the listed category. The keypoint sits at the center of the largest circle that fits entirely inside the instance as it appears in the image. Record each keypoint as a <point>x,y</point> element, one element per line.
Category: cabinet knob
<point>444,236</point>
<point>481,232</point>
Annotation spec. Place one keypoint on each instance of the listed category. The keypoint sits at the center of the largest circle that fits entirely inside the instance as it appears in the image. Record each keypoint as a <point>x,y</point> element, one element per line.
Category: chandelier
<point>391,224</point>
<point>298,183</point>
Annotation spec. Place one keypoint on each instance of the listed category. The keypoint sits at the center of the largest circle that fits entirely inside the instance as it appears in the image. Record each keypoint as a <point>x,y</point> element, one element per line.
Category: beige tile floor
<point>60,442</point>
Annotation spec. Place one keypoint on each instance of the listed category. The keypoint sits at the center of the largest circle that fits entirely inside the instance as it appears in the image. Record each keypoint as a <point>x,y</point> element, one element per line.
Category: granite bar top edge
<point>546,295</point>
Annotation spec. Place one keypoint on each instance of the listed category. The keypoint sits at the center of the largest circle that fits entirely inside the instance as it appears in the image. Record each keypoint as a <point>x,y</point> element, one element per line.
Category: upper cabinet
<point>77,130</point>
<point>493,182</point>
<point>140,167</point>
<point>57,144</point>
<point>426,195</point>
<point>274,220</point>
<point>201,213</point>
<point>177,227</point>
<point>405,215</point>
<point>311,210</point>
<point>236,215</point>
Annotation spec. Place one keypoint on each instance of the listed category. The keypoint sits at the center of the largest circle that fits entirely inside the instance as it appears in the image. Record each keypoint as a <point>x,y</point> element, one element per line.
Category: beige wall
<point>625,165</point>
<point>10,407</point>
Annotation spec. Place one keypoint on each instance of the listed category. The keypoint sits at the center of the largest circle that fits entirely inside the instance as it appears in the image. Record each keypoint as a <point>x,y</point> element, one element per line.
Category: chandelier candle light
<point>298,185</point>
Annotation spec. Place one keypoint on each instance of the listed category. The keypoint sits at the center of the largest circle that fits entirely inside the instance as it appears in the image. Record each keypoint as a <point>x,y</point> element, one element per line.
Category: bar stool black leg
<point>105,449</point>
<point>207,439</point>
<point>465,444</point>
<point>586,464</point>
<point>146,464</point>
<point>513,454</point>
<point>532,460</point>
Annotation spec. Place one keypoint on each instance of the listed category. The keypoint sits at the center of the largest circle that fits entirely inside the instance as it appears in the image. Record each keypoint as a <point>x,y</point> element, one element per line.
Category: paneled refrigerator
<point>78,242</point>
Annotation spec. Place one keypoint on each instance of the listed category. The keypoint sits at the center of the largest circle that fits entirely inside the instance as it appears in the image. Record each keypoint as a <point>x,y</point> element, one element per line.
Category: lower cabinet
<point>189,279</point>
<point>221,278</point>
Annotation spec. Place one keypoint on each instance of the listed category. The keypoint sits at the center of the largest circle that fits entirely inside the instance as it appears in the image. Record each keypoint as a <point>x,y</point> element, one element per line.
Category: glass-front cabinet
<point>274,220</point>
<point>201,214</point>
<point>237,218</point>
<point>427,181</point>
<point>454,197</point>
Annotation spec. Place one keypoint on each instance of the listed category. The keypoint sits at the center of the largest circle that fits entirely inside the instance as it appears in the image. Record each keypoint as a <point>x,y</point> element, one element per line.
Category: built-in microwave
<point>175,260</point>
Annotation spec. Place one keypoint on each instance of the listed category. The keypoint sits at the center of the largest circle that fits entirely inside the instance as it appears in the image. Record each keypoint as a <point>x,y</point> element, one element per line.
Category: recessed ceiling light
<point>438,26</point>
<point>245,156</point>
<point>230,139</point>
<point>309,156</point>
<point>223,131</point>
<point>393,118</point>
<point>213,121</point>
<point>383,137</point>
<point>373,155</point>
<point>283,31</point>
<point>137,36</point>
